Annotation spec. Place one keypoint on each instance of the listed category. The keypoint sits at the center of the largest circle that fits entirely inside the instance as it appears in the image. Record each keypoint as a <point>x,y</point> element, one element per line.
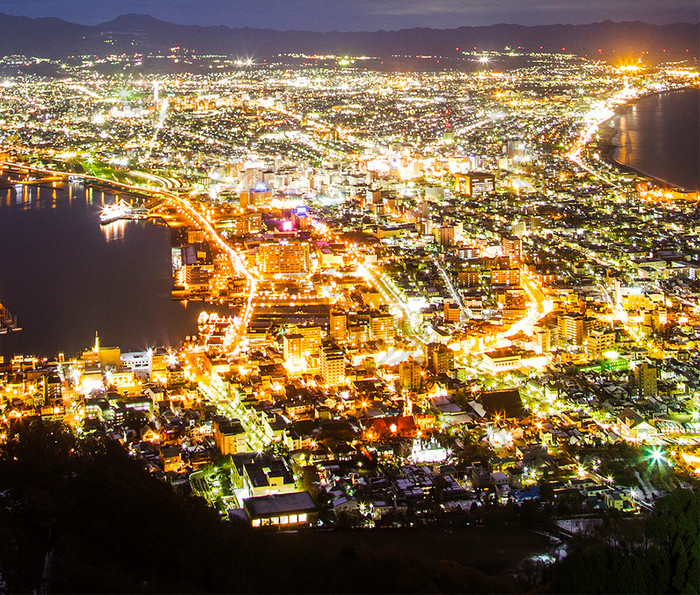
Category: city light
<point>656,456</point>
<point>410,292</point>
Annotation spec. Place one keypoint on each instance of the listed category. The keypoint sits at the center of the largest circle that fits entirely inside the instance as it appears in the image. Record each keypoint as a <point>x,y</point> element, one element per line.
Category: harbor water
<point>660,136</point>
<point>65,277</point>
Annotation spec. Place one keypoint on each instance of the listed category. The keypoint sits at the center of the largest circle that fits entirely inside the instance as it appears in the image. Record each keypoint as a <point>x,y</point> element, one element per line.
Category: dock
<point>8,323</point>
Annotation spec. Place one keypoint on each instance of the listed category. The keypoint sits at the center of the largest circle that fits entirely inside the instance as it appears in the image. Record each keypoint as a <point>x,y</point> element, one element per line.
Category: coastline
<point>150,317</point>
<point>607,144</point>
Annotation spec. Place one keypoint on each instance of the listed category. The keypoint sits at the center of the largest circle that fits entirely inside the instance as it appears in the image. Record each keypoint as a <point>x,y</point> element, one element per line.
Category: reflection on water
<point>660,135</point>
<point>114,231</point>
<point>65,276</point>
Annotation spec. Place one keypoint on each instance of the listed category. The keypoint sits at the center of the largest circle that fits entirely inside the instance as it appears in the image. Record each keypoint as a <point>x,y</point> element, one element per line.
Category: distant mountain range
<point>55,38</point>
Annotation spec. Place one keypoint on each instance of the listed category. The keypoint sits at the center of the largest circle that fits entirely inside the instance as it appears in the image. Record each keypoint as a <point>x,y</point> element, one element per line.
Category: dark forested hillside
<point>82,516</point>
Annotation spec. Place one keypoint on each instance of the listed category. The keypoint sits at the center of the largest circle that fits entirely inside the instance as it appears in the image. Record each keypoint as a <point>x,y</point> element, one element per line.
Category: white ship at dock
<point>122,210</point>
<point>8,323</point>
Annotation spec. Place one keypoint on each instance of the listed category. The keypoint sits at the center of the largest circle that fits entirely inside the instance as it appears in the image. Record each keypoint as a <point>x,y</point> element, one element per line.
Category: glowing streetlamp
<point>656,456</point>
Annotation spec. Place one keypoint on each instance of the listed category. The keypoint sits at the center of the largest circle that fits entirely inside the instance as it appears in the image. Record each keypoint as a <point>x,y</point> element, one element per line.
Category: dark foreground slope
<point>659,554</point>
<point>84,517</point>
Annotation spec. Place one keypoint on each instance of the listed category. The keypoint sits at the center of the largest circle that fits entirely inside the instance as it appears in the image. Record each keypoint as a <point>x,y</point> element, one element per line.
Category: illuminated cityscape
<point>418,293</point>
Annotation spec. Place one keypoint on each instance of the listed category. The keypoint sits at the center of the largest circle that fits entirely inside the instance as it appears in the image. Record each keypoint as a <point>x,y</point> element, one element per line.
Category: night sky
<point>362,15</point>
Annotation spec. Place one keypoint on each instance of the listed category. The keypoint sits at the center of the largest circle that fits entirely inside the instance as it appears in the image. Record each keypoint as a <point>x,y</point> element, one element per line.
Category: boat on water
<point>122,210</point>
<point>139,212</point>
<point>8,323</point>
<point>76,179</point>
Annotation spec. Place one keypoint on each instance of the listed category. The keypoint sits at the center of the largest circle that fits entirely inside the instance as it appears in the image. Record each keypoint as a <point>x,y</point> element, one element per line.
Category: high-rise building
<point>249,223</point>
<point>645,375</point>
<point>159,365</point>
<point>293,349</point>
<point>519,229</point>
<point>598,342</point>
<point>381,326</point>
<point>512,247</point>
<point>251,177</point>
<point>195,236</point>
<point>452,312</point>
<point>542,338</point>
<point>229,436</point>
<point>311,337</point>
<point>52,389</point>
<point>440,358</point>
<point>245,200</point>
<point>446,235</point>
<point>339,326</point>
<point>410,374</point>
<point>510,276</point>
<point>283,256</point>
<point>332,364</point>
<point>574,327</point>
<point>469,277</point>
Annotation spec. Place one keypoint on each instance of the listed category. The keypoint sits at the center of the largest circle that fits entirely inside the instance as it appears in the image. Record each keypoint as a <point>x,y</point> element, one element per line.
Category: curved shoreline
<point>608,148</point>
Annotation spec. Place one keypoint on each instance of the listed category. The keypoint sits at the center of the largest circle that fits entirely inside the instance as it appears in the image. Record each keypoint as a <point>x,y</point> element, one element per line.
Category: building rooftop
<point>503,403</point>
<point>262,506</point>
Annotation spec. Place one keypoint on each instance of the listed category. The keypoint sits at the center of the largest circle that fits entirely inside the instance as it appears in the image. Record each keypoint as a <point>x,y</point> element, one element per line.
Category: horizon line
<point>233,28</point>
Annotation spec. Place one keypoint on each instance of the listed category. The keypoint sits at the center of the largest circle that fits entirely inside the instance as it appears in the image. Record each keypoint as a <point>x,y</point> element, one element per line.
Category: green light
<point>656,456</point>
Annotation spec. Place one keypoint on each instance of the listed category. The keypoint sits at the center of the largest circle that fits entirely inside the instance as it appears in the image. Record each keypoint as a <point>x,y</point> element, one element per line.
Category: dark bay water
<point>65,276</point>
<point>660,136</point>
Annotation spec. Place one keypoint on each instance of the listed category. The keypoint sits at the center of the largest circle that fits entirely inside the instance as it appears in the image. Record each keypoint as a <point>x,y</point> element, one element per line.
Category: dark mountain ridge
<point>133,33</point>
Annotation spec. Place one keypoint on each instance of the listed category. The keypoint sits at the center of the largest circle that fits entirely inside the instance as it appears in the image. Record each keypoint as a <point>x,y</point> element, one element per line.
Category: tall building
<point>52,389</point>
<point>446,235</point>
<point>229,436</point>
<point>332,364</point>
<point>159,365</point>
<point>469,277</point>
<point>519,229</point>
<point>293,350</point>
<point>574,327</point>
<point>440,358</point>
<point>339,326</point>
<point>509,276</point>
<point>452,312</point>
<point>195,236</point>
<point>244,200</point>
<point>311,337</point>
<point>599,342</point>
<point>512,247</point>
<point>381,326</point>
<point>542,338</point>
<point>251,177</point>
<point>283,256</point>
<point>645,375</point>
<point>410,374</point>
<point>242,224</point>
